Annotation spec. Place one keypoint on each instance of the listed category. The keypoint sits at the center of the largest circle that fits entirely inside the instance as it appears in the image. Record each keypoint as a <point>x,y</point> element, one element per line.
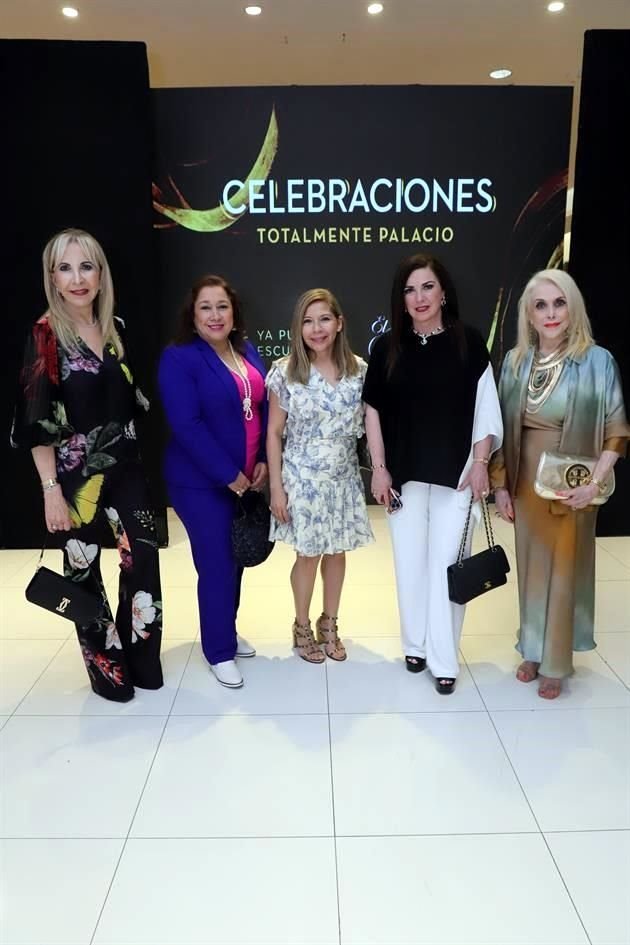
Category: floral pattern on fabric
<point>110,670</point>
<point>122,542</point>
<point>61,407</point>
<point>112,640</point>
<point>320,469</point>
<point>75,361</point>
<point>79,557</point>
<point>144,612</point>
<point>71,453</point>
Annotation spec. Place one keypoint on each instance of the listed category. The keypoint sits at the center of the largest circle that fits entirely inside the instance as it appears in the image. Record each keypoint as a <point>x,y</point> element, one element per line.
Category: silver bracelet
<point>48,484</point>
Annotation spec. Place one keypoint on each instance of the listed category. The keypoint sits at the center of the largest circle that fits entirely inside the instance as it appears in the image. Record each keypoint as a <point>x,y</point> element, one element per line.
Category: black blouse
<point>427,406</point>
<point>81,404</point>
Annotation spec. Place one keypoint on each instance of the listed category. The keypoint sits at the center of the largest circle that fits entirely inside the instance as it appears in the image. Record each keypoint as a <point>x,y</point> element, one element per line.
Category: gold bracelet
<point>48,484</point>
<point>479,459</point>
<point>601,486</point>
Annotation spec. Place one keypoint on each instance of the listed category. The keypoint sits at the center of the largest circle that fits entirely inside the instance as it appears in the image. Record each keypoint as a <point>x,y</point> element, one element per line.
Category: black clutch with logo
<point>470,577</point>
<point>64,597</point>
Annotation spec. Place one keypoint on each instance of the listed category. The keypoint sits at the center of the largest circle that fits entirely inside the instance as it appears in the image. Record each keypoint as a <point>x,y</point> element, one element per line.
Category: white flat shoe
<point>228,674</point>
<point>243,648</point>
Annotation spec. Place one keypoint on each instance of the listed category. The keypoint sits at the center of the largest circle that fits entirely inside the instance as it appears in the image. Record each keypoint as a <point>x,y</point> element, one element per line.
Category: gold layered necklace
<point>543,378</point>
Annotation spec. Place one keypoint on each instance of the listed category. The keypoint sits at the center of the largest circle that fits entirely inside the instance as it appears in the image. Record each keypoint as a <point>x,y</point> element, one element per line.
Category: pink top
<point>253,427</point>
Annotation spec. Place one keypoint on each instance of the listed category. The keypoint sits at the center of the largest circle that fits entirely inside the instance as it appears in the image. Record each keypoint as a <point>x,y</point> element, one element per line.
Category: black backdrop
<point>517,138</point>
<point>600,232</point>
<point>76,151</point>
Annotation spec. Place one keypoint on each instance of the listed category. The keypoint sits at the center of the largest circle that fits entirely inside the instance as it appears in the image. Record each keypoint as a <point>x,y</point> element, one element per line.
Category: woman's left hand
<point>259,477</point>
<point>477,479</point>
<point>580,497</point>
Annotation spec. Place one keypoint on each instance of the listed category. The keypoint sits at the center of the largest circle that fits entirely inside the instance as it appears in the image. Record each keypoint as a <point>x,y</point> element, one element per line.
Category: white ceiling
<point>212,42</point>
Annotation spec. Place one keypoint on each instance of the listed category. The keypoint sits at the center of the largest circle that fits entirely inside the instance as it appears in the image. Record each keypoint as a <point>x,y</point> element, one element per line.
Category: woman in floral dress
<point>317,496</point>
<point>76,414</point>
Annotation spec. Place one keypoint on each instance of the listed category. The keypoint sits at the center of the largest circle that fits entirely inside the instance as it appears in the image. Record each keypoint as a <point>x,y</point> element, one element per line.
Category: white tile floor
<point>346,803</point>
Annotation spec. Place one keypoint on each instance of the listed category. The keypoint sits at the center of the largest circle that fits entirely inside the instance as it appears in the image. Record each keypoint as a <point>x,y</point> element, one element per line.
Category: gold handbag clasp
<point>577,475</point>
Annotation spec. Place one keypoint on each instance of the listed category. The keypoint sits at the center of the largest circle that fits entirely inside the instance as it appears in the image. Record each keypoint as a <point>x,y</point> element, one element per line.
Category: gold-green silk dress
<point>555,546</point>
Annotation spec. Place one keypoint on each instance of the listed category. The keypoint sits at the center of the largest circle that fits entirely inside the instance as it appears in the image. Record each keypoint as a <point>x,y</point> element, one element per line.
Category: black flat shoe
<point>445,685</point>
<point>415,664</point>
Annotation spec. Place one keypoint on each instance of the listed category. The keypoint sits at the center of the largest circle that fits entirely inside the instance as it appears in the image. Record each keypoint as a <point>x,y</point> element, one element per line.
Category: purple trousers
<point>207,516</point>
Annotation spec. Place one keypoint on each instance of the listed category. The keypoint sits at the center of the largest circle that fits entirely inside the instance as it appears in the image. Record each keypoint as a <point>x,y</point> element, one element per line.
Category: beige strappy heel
<point>304,643</point>
<point>333,647</point>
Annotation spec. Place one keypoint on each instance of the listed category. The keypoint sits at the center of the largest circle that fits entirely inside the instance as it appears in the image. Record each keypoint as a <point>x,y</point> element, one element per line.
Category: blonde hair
<point>59,318</point>
<point>579,335</point>
<point>299,364</point>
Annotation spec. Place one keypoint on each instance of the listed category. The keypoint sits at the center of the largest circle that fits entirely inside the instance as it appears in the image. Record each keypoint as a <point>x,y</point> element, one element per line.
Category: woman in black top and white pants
<point>433,420</point>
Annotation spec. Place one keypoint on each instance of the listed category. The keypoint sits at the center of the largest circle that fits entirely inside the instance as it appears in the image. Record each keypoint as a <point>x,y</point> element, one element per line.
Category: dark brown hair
<point>400,318</point>
<point>185,327</point>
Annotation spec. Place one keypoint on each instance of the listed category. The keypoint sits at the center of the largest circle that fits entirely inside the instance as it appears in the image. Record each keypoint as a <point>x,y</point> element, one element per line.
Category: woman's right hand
<point>381,484</point>
<point>279,505</point>
<point>503,503</point>
<point>56,511</point>
<point>240,485</point>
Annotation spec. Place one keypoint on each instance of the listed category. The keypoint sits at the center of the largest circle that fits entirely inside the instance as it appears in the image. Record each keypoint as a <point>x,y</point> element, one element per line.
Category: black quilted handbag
<point>65,597</point>
<point>470,577</point>
<point>250,530</point>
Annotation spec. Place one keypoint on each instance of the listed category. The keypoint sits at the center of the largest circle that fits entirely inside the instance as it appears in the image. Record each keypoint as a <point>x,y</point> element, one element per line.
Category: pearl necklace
<point>424,337</point>
<point>247,399</point>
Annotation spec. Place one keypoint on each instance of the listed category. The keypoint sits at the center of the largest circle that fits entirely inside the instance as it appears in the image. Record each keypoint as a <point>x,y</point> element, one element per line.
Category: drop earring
<point>443,302</point>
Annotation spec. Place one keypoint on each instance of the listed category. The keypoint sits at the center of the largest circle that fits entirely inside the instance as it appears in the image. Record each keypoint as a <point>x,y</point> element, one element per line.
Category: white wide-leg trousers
<point>426,534</point>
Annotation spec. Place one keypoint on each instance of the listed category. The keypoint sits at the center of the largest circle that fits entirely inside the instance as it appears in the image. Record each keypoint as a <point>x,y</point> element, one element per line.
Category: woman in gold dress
<point>559,392</point>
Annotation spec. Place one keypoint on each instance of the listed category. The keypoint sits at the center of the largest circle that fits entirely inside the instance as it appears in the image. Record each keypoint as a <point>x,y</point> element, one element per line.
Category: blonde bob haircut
<point>299,366</point>
<point>58,315</point>
<point>579,334</point>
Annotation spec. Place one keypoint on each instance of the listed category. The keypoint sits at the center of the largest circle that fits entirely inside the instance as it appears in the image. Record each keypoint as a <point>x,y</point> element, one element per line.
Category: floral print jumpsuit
<point>84,407</point>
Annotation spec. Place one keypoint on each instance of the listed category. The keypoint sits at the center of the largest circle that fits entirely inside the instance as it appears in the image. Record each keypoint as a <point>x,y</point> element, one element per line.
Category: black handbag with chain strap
<point>470,577</point>
<point>65,597</point>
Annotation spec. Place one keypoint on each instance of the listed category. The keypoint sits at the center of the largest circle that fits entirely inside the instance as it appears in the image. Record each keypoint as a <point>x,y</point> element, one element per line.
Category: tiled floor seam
<point>527,801</point>
<point>35,681</point>
<point>133,817</point>
<point>332,803</point>
<point>613,670</point>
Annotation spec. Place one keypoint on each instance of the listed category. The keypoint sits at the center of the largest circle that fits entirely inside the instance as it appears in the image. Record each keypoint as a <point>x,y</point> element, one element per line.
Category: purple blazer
<point>206,448</point>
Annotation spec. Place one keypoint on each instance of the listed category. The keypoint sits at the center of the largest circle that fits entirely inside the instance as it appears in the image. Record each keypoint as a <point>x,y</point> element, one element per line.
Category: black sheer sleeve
<point>40,415</point>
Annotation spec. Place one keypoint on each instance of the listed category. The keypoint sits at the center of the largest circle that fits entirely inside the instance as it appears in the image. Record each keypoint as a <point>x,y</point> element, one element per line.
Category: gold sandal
<point>304,643</point>
<point>333,647</point>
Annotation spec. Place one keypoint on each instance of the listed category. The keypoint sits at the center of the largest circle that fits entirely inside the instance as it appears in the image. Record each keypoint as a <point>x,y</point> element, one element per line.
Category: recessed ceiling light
<point>375,8</point>
<point>70,12</point>
<point>500,73</point>
<point>555,6</point>
<point>253,11</point>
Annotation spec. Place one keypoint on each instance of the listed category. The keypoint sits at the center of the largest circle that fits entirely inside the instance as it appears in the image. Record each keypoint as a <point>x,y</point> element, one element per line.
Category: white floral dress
<point>320,469</point>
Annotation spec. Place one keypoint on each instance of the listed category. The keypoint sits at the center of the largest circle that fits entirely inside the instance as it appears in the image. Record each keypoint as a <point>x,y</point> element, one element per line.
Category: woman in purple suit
<point>212,386</point>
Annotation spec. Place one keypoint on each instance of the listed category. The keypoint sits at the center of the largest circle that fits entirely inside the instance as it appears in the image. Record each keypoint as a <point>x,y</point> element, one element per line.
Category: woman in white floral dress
<point>317,496</point>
